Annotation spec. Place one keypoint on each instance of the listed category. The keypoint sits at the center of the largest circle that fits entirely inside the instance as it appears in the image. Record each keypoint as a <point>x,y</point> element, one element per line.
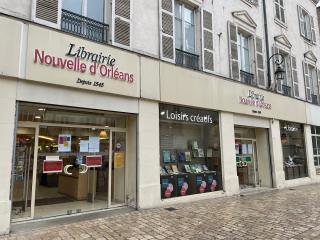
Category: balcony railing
<point>84,27</point>
<point>286,90</point>
<point>247,78</point>
<point>314,99</point>
<point>187,59</point>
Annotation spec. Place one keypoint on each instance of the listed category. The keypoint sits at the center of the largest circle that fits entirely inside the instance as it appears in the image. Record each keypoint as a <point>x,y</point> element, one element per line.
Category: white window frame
<point>316,135</point>
<point>240,51</point>
<point>280,7</point>
<point>183,26</point>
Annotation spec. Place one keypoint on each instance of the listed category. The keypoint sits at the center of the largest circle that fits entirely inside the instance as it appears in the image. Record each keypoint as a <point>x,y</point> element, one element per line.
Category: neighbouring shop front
<point>252,157</point>
<point>293,149</point>
<point>70,160</point>
<point>190,158</point>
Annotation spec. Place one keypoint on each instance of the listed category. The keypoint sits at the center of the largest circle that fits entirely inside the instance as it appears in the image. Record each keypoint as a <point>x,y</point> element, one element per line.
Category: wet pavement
<point>279,214</point>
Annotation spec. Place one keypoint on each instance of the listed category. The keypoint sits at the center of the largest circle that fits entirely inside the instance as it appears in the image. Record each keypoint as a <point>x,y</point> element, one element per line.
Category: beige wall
<point>148,155</point>
<point>263,157</point>
<point>12,32</point>
<point>229,168</point>
<point>187,87</point>
<point>7,120</point>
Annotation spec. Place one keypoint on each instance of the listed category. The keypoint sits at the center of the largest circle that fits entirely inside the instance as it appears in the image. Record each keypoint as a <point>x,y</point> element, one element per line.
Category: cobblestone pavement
<point>285,214</point>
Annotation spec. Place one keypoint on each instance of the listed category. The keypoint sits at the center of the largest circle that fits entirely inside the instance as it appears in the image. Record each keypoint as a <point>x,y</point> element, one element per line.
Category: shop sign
<point>255,99</point>
<point>181,114</point>
<point>291,127</point>
<point>94,161</point>
<point>52,166</point>
<point>83,61</point>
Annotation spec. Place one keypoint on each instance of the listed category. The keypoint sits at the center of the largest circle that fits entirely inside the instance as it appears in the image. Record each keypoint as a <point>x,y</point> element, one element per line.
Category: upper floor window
<point>87,8</point>
<point>311,83</point>
<point>185,42</point>
<point>85,18</point>
<point>306,23</point>
<point>184,28</point>
<point>244,52</point>
<point>280,10</point>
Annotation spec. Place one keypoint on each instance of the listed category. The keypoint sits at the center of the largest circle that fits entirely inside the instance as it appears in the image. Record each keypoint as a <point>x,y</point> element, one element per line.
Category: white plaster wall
<point>17,8</point>
<point>292,32</point>
<point>222,11</point>
<point>148,155</point>
<point>7,120</point>
<point>145,27</point>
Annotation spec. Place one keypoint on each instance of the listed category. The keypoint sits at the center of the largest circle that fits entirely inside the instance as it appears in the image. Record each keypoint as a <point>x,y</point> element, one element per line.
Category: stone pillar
<point>228,154</point>
<point>148,155</point>
<point>276,154</point>
<point>7,120</point>
<point>309,152</point>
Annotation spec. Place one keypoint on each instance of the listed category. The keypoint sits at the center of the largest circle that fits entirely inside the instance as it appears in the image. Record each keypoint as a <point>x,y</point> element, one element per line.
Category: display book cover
<point>166,156</point>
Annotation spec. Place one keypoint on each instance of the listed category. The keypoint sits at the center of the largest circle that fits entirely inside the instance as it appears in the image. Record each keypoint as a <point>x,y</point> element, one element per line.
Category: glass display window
<point>70,160</point>
<point>293,148</point>
<point>315,133</point>
<point>190,161</point>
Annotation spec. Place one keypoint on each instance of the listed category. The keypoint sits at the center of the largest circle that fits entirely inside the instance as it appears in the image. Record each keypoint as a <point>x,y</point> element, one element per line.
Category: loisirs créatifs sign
<point>83,61</point>
<point>191,115</point>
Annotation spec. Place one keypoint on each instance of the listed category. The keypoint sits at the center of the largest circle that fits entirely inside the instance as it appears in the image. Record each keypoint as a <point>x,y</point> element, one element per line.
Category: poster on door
<point>118,159</point>
<point>64,143</point>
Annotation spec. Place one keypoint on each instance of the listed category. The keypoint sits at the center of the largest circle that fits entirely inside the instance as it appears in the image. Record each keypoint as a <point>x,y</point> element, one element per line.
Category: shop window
<point>189,151</point>
<point>293,148</point>
<point>315,132</point>
<point>280,10</point>
<point>85,18</point>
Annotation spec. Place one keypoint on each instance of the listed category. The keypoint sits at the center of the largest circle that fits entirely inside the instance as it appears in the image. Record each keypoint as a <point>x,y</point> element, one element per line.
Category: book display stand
<point>187,171</point>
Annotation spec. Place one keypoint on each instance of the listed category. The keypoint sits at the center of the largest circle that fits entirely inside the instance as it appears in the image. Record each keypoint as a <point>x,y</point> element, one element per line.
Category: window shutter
<point>301,20</point>
<point>295,76</point>
<point>318,76</point>
<point>307,81</point>
<point>313,31</point>
<point>207,41</point>
<point>167,44</point>
<point>260,62</point>
<point>233,51</point>
<point>47,12</point>
<point>121,21</point>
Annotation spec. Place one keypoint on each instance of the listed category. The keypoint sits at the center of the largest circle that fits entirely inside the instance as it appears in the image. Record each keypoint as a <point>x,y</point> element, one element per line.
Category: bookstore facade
<point>133,131</point>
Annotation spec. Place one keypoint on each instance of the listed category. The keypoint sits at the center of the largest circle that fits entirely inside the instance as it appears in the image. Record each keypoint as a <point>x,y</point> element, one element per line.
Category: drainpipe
<point>269,81</point>
<point>267,41</point>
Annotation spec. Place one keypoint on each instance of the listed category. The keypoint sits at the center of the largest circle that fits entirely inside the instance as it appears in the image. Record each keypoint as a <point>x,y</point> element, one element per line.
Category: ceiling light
<point>37,117</point>
<point>41,109</point>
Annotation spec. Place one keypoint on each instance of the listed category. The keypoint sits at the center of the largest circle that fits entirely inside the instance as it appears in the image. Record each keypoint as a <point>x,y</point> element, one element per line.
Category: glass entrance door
<point>247,169</point>
<point>72,170</point>
<point>23,173</point>
<point>118,169</point>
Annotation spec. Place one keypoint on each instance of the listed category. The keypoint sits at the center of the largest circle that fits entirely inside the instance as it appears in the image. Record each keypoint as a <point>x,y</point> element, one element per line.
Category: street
<point>279,214</point>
